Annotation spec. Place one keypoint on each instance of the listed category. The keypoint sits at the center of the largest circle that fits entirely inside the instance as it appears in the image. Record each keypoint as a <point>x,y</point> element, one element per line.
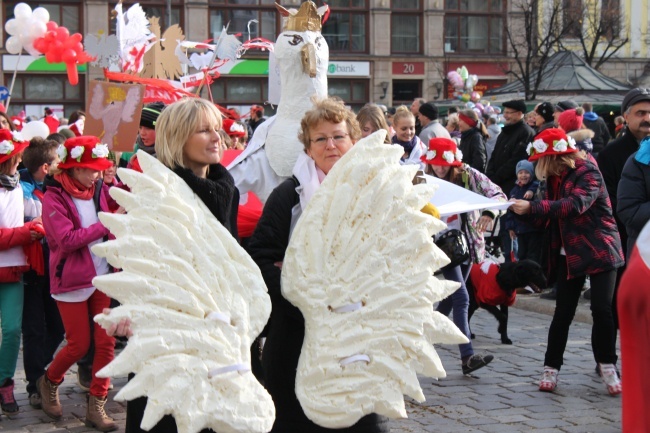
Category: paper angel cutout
<point>113,109</point>
<point>360,266</point>
<point>196,301</point>
<point>104,48</point>
<point>133,36</point>
<point>161,61</point>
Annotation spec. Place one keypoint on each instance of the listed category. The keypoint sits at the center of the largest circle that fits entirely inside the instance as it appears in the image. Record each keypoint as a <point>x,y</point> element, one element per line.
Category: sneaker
<point>7,400</point>
<point>551,294</point>
<point>35,400</point>
<point>475,362</point>
<point>610,378</point>
<point>548,383</point>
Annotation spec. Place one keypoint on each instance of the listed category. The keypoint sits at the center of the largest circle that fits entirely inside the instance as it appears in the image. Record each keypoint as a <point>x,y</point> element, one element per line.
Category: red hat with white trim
<point>11,143</point>
<point>443,151</point>
<point>233,129</point>
<point>549,142</point>
<point>84,152</point>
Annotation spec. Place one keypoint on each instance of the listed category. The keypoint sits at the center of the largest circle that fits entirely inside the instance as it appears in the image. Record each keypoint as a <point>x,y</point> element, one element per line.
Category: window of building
<point>353,92</point>
<point>406,24</point>
<point>475,26</point>
<point>31,89</point>
<point>610,18</point>
<point>346,29</point>
<point>154,9</point>
<point>248,18</point>
<point>67,13</point>
<point>238,91</point>
<point>573,17</point>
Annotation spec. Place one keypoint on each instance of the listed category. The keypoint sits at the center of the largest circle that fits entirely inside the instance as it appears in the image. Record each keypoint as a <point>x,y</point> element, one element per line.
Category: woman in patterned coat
<point>577,216</point>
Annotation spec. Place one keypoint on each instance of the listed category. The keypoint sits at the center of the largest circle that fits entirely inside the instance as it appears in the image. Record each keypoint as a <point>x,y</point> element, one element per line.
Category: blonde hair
<point>328,110</point>
<point>177,123</point>
<point>375,115</point>
<point>479,124</point>
<point>402,112</point>
<point>554,165</point>
<point>453,120</point>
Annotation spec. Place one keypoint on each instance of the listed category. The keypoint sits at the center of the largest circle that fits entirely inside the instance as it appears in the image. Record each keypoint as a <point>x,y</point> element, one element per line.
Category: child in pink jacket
<point>72,200</point>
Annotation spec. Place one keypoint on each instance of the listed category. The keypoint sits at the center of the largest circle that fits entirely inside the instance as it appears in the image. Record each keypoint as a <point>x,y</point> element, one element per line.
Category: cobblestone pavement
<point>500,398</point>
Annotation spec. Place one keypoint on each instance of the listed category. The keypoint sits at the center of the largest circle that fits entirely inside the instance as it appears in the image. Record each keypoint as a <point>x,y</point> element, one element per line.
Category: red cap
<point>551,141</point>
<point>84,152</point>
<point>233,128</point>
<point>18,123</point>
<point>570,121</point>
<point>443,151</point>
<point>11,143</point>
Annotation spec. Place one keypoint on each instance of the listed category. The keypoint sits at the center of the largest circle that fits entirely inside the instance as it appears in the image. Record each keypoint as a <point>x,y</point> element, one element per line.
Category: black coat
<point>634,199</point>
<point>509,149</point>
<point>472,144</point>
<point>219,194</point>
<point>286,329</point>
<point>611,161</point>
<point>601,133</point>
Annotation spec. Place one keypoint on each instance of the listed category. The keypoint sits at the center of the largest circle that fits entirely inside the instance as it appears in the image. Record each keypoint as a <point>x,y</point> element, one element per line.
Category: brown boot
<point>96,417</point>
<point>49,392</point>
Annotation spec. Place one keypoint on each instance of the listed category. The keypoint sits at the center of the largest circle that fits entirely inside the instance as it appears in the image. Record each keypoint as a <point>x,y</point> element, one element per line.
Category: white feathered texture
<point>196,302</point>
<point>363,241</point>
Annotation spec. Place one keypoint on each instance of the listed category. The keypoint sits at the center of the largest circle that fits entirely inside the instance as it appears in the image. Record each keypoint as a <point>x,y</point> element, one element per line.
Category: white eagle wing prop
<point>196,302</point>
<point>360,267</point>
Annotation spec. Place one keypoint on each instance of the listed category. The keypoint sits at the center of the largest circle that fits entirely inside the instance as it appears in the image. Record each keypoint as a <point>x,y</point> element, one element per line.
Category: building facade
<point>384,51</point>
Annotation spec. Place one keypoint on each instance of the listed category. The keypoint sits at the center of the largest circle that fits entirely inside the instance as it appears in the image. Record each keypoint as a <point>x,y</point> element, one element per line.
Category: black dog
<point>507,277</point>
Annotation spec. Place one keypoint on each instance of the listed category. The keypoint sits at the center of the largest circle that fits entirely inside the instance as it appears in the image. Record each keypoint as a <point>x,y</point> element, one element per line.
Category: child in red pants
<point>70,205</point>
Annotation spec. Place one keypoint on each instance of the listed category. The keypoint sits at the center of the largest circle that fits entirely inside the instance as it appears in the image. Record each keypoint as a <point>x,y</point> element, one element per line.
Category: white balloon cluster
<point>25,28</point>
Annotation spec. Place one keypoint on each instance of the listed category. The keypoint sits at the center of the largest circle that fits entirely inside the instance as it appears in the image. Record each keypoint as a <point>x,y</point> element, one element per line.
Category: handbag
<point>455,245</point>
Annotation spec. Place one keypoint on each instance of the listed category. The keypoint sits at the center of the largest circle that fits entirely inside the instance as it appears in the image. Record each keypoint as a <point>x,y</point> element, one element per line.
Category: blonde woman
<point>404,125</point>
<point>371,119</point>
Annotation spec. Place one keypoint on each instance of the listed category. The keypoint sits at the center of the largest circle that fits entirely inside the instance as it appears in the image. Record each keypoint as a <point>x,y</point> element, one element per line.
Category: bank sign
<point>261,67</point>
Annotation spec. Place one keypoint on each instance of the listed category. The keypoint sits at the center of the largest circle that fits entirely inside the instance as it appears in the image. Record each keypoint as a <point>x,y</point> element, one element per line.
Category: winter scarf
<point>216,191</point>
<point>139,145</point>
<point>407,145</point>
<point>9,182</point>
<point>643,154</point>
<point>73,187</point>
<point>591,116</point>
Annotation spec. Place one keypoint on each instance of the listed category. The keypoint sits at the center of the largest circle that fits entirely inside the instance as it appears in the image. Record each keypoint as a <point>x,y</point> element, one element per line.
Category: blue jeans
<point>459,303</point>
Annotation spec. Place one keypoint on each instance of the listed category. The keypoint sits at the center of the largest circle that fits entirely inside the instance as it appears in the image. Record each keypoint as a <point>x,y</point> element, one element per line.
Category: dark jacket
<point>472,144</point>
<point>509,149</point>
<point>510,221</point>
<point>286,329</point>
<point>633,207</point>
<point>581,221</point>
<point>601,132</point>
<point>219,194</point>
<point>611,161</point>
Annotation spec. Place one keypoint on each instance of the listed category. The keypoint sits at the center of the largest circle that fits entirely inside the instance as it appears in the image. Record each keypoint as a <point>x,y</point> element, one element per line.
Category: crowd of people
<point>579,201</point>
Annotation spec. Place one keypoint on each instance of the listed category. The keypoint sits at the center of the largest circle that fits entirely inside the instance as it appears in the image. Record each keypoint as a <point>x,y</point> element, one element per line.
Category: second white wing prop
<point>196,301</point>
<point>360,267</point>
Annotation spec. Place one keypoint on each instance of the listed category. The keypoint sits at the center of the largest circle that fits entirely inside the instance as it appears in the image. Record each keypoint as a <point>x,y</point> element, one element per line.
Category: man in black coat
<point>509,149</point>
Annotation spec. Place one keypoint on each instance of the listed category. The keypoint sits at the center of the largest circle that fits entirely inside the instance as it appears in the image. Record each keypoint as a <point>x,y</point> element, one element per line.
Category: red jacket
<point>486,288</point>
<point>9,238</point>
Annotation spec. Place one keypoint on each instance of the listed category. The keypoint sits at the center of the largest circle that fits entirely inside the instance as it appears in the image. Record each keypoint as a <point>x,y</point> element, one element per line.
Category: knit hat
<point>549,142</point>
<point>516,104</point>
<point>233,128</point>
<point>443,151</point>
<point>150,113</point>
<point>545,109</point>
<point>570,121</point>
<point>84,152</point>
<point>524,164</point>
<point>565,105</point>
<point>11,143</point>
<point>429,110</point>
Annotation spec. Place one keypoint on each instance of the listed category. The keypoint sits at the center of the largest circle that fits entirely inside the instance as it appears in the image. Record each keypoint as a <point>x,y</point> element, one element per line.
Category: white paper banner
<point>452,199</point>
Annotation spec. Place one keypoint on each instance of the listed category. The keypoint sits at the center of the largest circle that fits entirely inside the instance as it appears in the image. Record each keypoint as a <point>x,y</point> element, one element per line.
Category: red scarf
<point>73,187</point>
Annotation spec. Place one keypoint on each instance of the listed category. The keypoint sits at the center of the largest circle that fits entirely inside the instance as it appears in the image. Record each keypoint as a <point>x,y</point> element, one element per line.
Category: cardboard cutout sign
<point>113,113</point>
<point>161,61</point>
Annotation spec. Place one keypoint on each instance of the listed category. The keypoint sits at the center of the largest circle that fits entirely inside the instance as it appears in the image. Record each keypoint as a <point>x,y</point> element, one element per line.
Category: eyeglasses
<point>337,139</point>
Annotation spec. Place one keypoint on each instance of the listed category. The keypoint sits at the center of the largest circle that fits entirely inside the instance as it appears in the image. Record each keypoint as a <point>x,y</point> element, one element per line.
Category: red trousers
<point>75,317</point>
<point>634,320</point>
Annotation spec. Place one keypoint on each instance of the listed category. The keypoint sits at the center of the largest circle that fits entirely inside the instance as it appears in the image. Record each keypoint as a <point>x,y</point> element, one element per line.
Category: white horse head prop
<point>303,56</point>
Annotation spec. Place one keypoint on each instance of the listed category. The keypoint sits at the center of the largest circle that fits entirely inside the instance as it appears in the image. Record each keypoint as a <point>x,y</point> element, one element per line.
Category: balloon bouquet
<point>463,83</point>
<point>35,33</point>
